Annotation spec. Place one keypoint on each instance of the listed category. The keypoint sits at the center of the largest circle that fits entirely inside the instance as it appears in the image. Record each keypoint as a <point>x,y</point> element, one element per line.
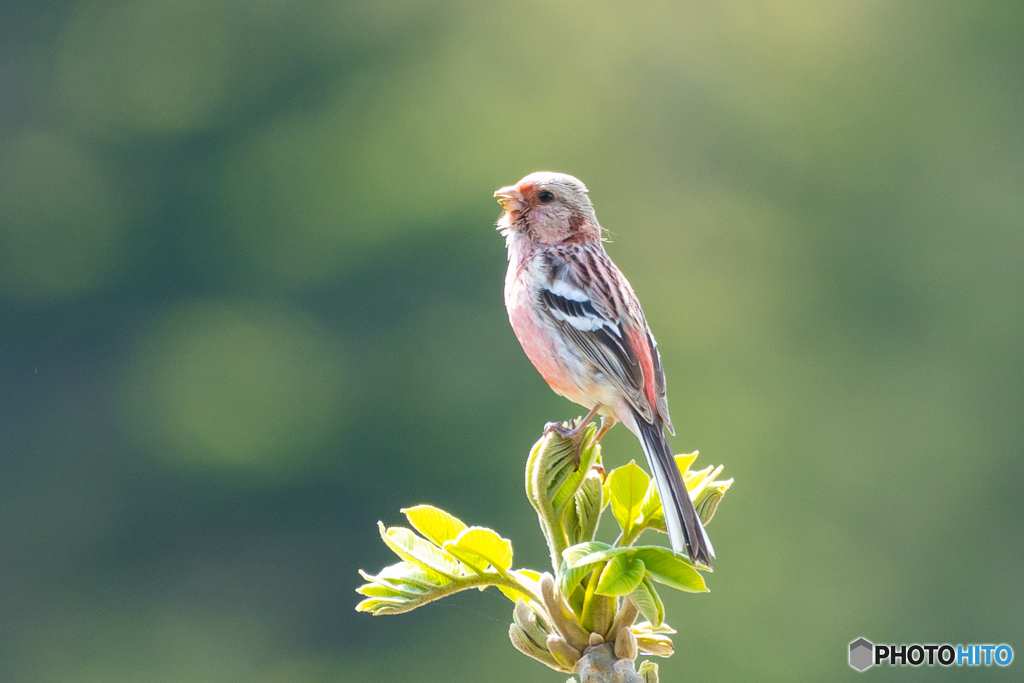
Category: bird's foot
<point>574,433</point>
<point>606,424</point>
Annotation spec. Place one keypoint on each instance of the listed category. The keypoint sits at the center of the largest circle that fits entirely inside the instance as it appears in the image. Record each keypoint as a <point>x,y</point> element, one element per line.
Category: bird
<point>581,325</point>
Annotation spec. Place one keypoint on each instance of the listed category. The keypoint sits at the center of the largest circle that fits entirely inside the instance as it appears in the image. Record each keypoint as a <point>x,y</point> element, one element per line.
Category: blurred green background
<point>251,303</point>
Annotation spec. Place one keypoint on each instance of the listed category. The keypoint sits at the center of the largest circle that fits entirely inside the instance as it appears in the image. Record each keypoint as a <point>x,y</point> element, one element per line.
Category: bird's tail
<point>681,520</point>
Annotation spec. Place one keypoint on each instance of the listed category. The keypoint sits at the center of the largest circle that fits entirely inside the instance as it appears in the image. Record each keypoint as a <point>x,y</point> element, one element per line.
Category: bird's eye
<point>545,196</point>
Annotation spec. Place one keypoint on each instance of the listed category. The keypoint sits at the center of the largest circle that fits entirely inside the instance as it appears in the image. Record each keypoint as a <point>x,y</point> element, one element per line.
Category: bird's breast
<point>543,344</point>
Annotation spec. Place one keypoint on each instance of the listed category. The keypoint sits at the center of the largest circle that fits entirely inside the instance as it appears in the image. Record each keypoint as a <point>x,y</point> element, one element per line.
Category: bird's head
<point>548,208</point>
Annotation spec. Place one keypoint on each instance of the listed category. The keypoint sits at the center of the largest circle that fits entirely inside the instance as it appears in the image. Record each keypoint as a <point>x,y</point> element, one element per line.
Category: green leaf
<point>411,548</point>
<point>385,606</point>
<point>572,476</point>
<point>600,555</point>
<point>696,483</point>
<point>525,644</point>
<point>528,579</point>
<point>552,479</point>
<point>684,460</point>
<point>571,524</point>
<point>551,473</point>
<point>434,523</point>
<point>670,569</point>
<point>654,639</point>
<point>526,575</point>
<point>661,563</point>
<point>570,577</point>
<point>408,576</point>
<point>649,602</point>
<point>573,554</point>
<point>375,590</point>
<point>576,599</point>
<point>650,508</point>
<point>560,469</point>
<point>627,486</point>
<point>400,588</point>
<point>705,491</point>
<point>644,627</point>
<point>570,573</point>
<point>583,515</point>
<point>655,644</point>
<point>479,546</point>
<point>707,503</point>
<point>532,623</point>
<point>648,670</point>
<point>620,576</point>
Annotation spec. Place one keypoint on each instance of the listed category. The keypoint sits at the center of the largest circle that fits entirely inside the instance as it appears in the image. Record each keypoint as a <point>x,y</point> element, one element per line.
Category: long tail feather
<point>681,520</point>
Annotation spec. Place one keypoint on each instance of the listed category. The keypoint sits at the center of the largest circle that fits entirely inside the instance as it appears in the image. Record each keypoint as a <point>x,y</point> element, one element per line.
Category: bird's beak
<point>510,198</point>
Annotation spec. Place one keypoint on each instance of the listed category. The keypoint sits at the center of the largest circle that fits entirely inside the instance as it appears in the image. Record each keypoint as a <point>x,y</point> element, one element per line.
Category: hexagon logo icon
<point>862,653</point>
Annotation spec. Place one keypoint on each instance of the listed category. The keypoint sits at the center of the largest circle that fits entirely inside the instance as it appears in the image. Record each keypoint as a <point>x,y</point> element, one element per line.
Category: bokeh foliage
<point>247,273</point>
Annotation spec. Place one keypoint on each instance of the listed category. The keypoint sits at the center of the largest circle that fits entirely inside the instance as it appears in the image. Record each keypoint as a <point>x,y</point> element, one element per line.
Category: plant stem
<point>587,617</point>
<point>479,581</point>
<point>625,539</point>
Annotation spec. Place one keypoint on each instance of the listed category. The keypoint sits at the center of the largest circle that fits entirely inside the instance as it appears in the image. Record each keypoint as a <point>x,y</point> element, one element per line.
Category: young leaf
<point>561,470</point>
<point>407,576</point>
<point>670,569</point>
<point>654,640</point>
<point>705,492</point>
<point>574,475</point>
<point>572,571</point>
<point>570,577</point>
<point>601,556</point>
<point>584,513</point>
<point>655,644</point>
<point>381,606</point>
<point>710,497</point>
<point>574,554</point>
<point>621,576</point>
<point>410,547</point>
<point>627,486</point>
<point>698,480</point>
<point>512,594</point>
<point>434,523</point>
<point>552,473</point>
<point>479,546</point>
<point>375,590</point>
<point>576,599</point>
<point>650,508</point>
<point>522,642</point>
<point>684,460</point>
<point>648,670</point>
<point>644,627</point>
<point>527,578</point>
<point>399,588</point>
<point>649,602</point>
<point>526,575</point>
<point>526,618</point>
<point>571,523</point>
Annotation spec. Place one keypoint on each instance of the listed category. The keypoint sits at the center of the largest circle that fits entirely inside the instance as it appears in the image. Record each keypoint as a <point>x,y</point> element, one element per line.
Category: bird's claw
<point>574,434</point>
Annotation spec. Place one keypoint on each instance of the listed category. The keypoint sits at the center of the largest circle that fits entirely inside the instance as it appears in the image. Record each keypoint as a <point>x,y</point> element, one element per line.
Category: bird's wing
<point>586,301</point>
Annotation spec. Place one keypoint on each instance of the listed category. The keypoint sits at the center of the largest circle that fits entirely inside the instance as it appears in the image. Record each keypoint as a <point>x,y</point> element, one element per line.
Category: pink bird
<point>582,327</point>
